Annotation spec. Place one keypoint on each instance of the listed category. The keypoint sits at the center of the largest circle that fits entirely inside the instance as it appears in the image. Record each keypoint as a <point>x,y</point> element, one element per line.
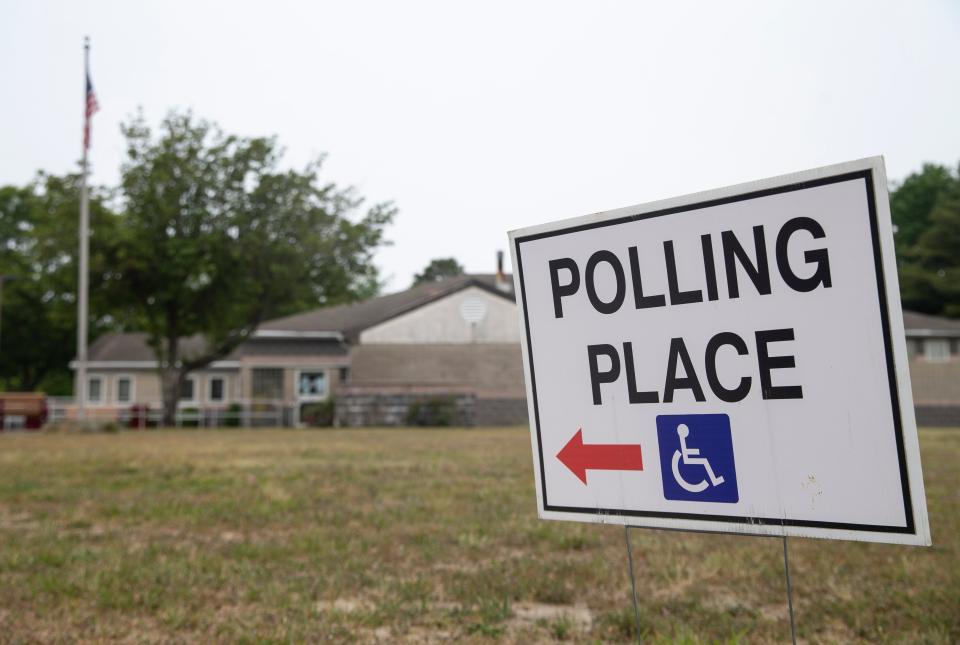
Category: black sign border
<point>868,178</point>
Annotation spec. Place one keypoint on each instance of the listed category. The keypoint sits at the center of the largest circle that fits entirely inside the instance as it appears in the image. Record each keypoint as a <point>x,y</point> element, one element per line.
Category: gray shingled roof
<point>924,324</point>
<point>351,319</point>
<point>348,320</point>
<point>133,346</point>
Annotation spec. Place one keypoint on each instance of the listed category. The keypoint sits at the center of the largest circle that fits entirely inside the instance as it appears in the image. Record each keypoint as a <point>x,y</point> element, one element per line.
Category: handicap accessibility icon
<point>696,458</point>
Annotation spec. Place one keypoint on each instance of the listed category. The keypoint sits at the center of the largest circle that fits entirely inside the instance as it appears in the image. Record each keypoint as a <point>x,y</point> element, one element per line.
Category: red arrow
<point>580,457</point>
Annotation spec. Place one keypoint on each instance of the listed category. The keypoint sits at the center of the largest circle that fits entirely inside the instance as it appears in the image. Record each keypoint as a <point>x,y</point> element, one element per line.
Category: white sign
<point>726,361</point>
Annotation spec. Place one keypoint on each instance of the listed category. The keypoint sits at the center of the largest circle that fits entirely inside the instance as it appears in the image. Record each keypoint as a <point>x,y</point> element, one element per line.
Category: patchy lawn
<point>411,535</point>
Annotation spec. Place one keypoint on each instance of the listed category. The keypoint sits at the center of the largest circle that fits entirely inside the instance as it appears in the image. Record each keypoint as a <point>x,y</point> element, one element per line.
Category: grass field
<point>411,535</point>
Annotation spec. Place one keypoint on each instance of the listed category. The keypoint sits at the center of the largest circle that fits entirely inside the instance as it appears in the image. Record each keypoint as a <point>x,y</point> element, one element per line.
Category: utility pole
<point>83,286</point>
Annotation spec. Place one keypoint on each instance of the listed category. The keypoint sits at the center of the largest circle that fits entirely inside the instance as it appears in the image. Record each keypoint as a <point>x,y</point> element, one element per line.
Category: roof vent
<point>473,310</point>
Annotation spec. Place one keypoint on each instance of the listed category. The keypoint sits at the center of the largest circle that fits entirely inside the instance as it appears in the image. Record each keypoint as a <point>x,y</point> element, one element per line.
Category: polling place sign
<point>729,361</point>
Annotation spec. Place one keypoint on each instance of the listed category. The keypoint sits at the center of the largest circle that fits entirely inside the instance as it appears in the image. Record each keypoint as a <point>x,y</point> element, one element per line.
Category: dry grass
<point>410,535</point>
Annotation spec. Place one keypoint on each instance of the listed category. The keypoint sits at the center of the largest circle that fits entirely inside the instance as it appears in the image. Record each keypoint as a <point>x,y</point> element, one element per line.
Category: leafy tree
<point>912,202</point>
<point>38,226</point>
<point>438,269</point>
<point>216,238</point>
<point>926,211</point>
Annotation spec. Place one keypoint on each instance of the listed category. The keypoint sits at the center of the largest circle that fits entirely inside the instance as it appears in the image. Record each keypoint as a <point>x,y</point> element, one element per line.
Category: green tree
<point>912,202</point>
<point>926,211</point>
<point>216,238</point>
<point>38,224</point>
<point>438,269</point>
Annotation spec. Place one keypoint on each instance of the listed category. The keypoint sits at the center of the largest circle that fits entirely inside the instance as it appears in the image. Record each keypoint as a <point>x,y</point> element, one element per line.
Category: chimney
<point>501,279</point>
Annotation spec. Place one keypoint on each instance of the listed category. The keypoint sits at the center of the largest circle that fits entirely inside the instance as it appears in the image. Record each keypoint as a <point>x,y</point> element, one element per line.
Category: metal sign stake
<point>786,568</point>
<point>633,582</point>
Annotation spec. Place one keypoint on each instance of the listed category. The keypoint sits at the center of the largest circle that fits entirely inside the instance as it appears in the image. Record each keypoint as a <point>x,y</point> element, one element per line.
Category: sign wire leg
<point>633,581</point>
<point>786,569</point>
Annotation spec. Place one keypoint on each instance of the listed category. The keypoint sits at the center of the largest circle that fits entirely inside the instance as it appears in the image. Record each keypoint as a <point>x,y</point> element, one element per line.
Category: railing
<point>57,407</point>
<point>253,413</point>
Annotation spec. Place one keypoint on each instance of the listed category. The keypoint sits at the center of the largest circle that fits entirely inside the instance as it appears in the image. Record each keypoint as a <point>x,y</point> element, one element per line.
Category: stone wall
<point>500,412</point>
<point>357,406</point>
<point>938,416</point>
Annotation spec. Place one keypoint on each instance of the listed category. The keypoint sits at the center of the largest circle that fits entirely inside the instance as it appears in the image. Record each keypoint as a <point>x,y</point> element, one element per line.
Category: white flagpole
<point>82,288</point>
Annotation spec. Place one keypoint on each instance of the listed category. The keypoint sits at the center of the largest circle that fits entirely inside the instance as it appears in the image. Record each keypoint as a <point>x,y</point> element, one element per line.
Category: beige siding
<point>147,390</point>
<point>229,386</point>
<point>935,383</point>
<point>146,386</point>
<point>442,322</point>
<point>289,385</point>
<point>493,370</point>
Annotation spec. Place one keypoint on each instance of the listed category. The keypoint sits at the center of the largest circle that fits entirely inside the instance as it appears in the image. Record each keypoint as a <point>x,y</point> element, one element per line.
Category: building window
<point>124,389</point>
<point>344,375</point>
<point>914,347</point>
<point>936,350</point>
<point>188,390</point>
<point>94,389</point>
<point>267,383</point>
<point>312,384</point>
<point>216,389</point>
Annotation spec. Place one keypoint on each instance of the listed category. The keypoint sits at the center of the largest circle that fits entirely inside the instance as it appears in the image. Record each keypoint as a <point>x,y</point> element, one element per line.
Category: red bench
<point>29,406</point>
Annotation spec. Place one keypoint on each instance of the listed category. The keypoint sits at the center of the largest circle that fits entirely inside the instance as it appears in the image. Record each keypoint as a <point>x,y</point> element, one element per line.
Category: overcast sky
<point>483,117</point>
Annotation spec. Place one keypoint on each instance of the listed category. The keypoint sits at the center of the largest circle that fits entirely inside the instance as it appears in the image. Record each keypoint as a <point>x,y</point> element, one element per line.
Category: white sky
<point>479,118</point>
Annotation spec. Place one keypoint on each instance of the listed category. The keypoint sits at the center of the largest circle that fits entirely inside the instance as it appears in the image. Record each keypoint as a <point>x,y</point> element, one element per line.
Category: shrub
<point>434,411</point>
<point>234,415</point>
<point>318,415</point>
<point>189,417</point>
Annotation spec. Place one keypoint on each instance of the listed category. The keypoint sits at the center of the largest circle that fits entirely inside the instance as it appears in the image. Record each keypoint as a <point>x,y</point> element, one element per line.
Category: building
<point>443,352</point>
<point>933,345</point>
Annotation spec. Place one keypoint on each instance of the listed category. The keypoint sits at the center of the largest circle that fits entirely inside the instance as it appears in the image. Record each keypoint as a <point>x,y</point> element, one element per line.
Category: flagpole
<point>82,288</point>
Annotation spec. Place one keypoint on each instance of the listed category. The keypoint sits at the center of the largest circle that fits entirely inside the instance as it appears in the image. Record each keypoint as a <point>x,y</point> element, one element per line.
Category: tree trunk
<point>170,380</point>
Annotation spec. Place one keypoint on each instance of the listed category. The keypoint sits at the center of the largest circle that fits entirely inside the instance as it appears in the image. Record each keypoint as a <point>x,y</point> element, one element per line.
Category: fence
<point>254,413</point>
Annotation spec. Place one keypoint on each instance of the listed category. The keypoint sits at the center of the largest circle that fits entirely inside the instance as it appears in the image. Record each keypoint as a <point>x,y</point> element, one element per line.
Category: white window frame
<point>936,357</point>
<point>116,389</point>
<point>101,398</point>
<point>223,390</point>
<point>311,398</point>
<point>192,400</point>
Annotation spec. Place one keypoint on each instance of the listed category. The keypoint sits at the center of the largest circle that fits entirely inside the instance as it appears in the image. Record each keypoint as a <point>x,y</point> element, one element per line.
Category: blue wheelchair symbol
<point>696,458</point>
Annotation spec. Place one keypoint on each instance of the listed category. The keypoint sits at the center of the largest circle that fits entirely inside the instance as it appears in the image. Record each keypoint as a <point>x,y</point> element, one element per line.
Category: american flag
<point>91,108</point>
